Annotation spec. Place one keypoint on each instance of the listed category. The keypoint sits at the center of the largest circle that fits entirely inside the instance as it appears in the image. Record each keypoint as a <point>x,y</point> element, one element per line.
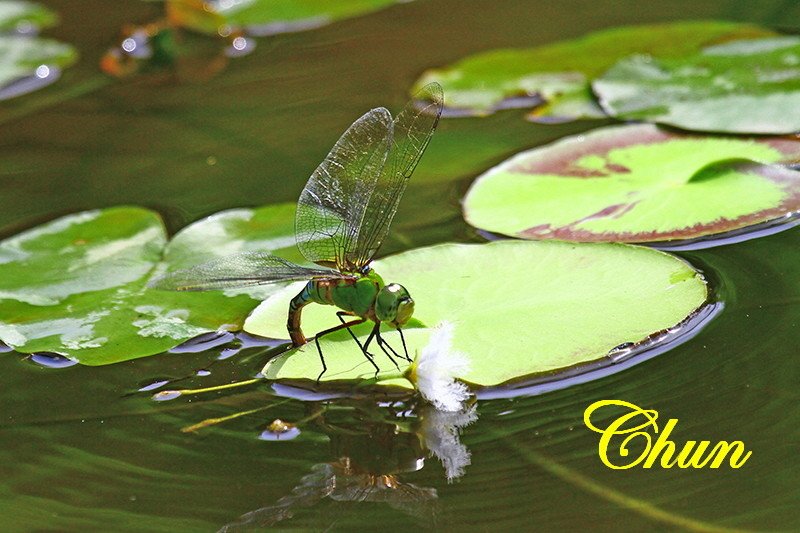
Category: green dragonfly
<point>343,216</point>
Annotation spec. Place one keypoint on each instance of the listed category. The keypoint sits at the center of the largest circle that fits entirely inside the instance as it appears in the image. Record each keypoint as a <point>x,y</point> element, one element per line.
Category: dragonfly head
<point>394,305</point>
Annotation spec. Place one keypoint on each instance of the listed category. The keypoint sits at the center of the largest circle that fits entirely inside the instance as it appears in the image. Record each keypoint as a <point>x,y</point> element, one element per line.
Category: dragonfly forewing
<point>331,207</point>
<point>412,131</point>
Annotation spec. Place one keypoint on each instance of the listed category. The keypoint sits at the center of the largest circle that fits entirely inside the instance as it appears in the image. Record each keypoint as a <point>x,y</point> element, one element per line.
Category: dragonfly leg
<point>371,335</point>
<point>343,325</point>
<point>376,334</point>
<point>341,315</point>
<point>368,355</point>
<point>384,345</point>
<point>405,349</point>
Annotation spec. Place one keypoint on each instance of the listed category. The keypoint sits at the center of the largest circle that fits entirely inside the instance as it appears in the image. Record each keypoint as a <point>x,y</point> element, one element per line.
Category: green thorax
<point>356,295</point>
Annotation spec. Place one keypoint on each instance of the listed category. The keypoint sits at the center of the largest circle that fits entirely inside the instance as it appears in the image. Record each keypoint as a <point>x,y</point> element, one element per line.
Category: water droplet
<point>153,385</point>
<point>203,372</point>
<point>52,360</point>
<point>138,45</point>
<point>129,44</point>
<point>240,46</point>
<point>279,430</point>
<point>42,71</point>
<point>204,342</point>
<point>166,395</point>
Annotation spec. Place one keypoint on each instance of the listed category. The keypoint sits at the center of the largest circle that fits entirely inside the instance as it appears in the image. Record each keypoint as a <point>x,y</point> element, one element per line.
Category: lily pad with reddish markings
<point>549,74</point>
<point>750,86</point>
<point>637,183</point>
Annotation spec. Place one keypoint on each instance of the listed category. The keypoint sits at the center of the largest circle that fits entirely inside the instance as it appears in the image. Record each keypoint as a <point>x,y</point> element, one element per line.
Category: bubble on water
<point>52,360</point>
<point>129,44</point>
<point>203,372</point>
<point>137,45</point>
<point>240,46</point>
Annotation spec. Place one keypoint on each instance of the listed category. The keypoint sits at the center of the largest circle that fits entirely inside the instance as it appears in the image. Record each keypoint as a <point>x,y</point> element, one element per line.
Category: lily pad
<point>637,183</point>
<point>28,62</point>
<point>750,86</point>
<point>266,17</point>
<point>17,16</point>
<point>530,77</point>
<point>76,286</point>
<point>519,308</point>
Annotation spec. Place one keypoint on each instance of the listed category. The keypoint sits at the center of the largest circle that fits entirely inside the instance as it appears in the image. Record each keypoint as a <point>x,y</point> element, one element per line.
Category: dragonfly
<point>343,216</point>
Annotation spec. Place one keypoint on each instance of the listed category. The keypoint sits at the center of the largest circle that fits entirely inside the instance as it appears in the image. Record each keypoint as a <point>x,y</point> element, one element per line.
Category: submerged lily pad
<point>76,286</point>
<point>637,183</point>
<point>558,74</point>
<point>28,62</point>
<point>750,86</point>
<point>518,308</point>
<point>266,17</point>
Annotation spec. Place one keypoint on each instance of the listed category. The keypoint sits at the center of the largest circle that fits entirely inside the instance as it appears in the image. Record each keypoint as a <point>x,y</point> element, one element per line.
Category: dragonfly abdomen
<point>354,295</point>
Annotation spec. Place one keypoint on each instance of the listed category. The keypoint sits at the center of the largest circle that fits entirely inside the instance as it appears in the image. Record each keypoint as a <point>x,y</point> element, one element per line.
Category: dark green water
<point>78,453</point>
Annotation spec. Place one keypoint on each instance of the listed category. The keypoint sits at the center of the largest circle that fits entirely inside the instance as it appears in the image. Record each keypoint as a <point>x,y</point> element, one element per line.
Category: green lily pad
<point>518,308</point>
<point>77,285</point>
<point>525,78</point>
<point>27,62</point>
<point>750,86</point>
<point>637,183</point>
<point>267,17</point>
<point>25,17</point>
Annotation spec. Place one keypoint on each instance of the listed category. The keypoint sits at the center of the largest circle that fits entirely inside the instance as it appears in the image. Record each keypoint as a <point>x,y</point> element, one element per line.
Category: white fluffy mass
<point>437,367</point>
<point>441,431</point>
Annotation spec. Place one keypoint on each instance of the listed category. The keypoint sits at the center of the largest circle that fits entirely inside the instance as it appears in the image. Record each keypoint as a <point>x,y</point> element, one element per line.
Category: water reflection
<point>52,360</point>
<point>342,481</point>
<point>373,447</point>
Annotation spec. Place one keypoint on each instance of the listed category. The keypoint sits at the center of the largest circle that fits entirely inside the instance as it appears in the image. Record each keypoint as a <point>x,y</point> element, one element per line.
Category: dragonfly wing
<point>412,131</point>
<point>331,206</point>
<point>239,270</point>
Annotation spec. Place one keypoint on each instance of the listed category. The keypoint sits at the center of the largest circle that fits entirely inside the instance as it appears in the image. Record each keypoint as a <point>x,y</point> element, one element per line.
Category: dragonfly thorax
<point>394,305</point>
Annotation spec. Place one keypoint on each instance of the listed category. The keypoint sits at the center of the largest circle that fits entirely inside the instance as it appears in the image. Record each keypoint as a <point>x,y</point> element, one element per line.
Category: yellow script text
<point>637,427</point>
